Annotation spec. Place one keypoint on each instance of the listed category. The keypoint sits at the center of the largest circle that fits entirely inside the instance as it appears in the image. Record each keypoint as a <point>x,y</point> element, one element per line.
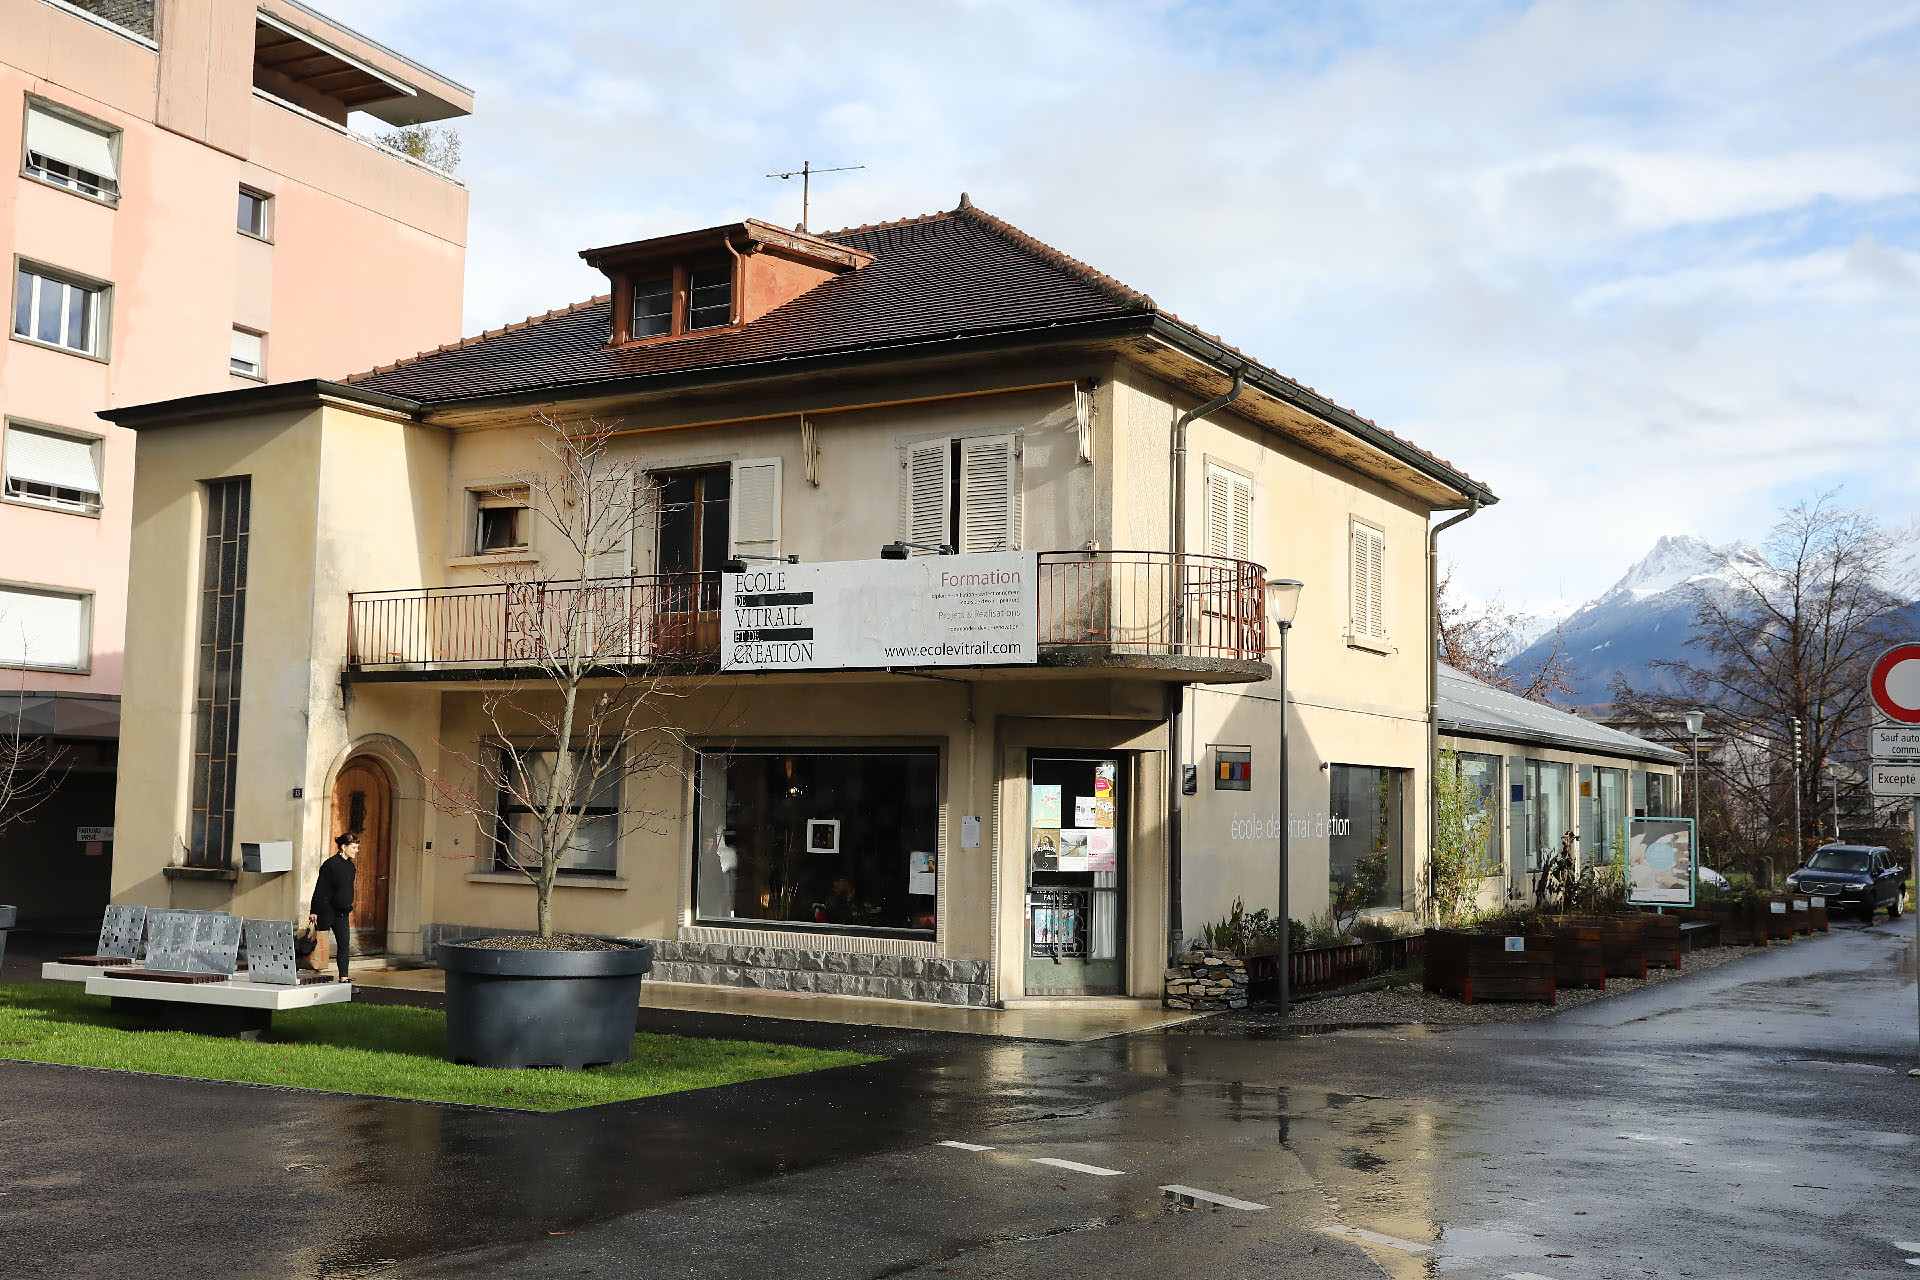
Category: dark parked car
<point>1853,877</point>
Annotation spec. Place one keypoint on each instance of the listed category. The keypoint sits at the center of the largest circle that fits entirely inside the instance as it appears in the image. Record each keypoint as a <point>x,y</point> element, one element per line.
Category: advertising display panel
<point>1660,862</point>
<point>930,611</point>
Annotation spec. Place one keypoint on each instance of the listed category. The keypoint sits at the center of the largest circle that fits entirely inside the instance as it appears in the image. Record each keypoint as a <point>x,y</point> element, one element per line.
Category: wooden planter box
<point>1800,910</point>
<point>1779,923</point>
<point>1620,943</point>
<point>1578,958</point>
<point>1818,917</point>
<point>1660,940</point>
<point>1745,928</point>
<point>1478,966</point>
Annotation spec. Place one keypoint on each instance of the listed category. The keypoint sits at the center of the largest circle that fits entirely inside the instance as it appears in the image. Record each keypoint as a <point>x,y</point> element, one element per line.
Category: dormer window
<point>710,298</point>
<point>653,307</point>
<point>698,281</point>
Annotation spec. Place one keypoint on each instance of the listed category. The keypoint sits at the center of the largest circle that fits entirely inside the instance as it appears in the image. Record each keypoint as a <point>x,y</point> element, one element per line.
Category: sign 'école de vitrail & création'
<point>929,611</point>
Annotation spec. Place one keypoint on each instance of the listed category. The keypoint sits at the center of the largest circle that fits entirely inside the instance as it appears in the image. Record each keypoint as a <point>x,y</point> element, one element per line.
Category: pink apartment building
<point>193,210</point>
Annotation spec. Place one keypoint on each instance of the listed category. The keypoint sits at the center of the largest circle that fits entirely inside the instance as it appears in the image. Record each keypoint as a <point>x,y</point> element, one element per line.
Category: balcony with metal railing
<point>1199,617</point>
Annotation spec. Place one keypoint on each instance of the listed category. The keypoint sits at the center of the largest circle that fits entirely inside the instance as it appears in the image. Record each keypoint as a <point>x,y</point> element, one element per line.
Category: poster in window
<point>1073,849</point>
<point>1046,850</point>
<point>1105,780</point>
<point>1100,850</point>
<point>1046,806</point>
<point>1085,811</point>
<point>823,835</point>
<point>920,873</point>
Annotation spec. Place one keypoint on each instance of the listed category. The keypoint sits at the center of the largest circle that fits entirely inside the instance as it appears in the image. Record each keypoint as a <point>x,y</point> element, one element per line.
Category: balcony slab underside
<point>1057,662</point>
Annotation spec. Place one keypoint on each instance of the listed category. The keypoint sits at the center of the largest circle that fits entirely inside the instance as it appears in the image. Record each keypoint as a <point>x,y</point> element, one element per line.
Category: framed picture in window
<point>823,835</point>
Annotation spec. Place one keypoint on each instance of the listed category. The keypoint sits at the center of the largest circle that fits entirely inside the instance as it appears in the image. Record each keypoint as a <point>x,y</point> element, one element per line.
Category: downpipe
<point>1177,693</point>
<point>1433,691</point>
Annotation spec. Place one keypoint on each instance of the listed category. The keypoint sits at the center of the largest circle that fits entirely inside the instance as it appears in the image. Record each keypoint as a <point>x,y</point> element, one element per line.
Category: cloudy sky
<point>1643,268</point>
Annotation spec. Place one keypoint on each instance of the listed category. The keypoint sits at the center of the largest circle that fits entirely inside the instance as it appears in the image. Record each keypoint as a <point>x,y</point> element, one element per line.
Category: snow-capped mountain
<point>1648,613</point>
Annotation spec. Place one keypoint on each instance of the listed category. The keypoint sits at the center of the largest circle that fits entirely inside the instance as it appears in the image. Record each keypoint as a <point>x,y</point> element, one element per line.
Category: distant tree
<point>1487,641</point>
<point>431,144</point>
<point>31,765</point>
<point>1790,640</point>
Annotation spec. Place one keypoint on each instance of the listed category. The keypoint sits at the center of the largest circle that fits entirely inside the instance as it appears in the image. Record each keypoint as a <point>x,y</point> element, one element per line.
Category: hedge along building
<point>944,380</point>
<point>1546,773</point>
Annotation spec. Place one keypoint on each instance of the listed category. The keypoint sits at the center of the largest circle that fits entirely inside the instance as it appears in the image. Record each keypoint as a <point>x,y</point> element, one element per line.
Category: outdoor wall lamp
<point>739,563</point>
<point>898,550</point>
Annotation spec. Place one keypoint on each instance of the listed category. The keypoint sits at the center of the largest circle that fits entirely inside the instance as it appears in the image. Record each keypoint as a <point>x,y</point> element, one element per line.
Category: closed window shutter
<point>989,494</point>
<point>925,516</point>
<point>58,138</point>
<point>44,457</point>
<point>612,532</point>
<point>38,629</point>
<point>1229,514</point>
<point>1369,573</point>
<point>756,508</point>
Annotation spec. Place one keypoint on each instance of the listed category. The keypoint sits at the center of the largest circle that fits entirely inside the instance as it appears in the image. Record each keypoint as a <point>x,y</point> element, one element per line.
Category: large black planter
<point>7,916</point>
<point>512,1008</point>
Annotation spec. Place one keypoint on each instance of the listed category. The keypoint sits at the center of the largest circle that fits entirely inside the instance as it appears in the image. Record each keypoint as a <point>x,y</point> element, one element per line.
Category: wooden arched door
<point>363,802</point>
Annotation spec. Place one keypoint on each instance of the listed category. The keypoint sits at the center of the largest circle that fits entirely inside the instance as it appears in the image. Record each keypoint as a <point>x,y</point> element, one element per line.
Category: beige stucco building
<point>954,833</point>
<point>189,212</point>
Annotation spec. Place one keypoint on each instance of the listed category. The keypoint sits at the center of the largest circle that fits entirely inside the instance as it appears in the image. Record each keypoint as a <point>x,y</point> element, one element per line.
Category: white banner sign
<point>1660,861</point>
<point>1891,780</point>
<point>1897,743</point>
<point>930,611</point>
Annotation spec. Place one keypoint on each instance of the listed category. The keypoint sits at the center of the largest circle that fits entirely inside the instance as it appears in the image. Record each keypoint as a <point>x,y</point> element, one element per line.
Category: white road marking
<point>1527,1275</point>
<point>1077,1167</point>
<point>1194,1193</point>
<point>964,1146</point>
<point>1650,1137</point>
<point>1907,1246</point>
<point>1374,1237</point>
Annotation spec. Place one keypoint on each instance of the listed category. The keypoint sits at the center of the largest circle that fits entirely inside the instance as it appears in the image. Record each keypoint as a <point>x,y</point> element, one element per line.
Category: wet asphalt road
<point>1755,1120</point>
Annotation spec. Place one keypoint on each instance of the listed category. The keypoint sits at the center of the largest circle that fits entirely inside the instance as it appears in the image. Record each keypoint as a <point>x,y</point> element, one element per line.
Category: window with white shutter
<point>247,356</point>
<point>1229,514</point>
<point>1368,624</point>
<point>756,508</point>
<point>989,495</point>
<point>926,510</point>
<point>610,531</point>
<point>69,152</point>
<point>51,468</point>
<point>45,630</point>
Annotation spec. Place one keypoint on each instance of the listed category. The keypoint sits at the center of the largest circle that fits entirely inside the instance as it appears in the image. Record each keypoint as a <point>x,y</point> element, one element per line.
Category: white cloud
<point>1643,266</point>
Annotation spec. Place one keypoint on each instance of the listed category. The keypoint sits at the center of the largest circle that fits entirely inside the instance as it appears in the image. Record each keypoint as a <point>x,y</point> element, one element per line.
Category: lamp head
<point>1694,720</point>
<point>1283,600</point>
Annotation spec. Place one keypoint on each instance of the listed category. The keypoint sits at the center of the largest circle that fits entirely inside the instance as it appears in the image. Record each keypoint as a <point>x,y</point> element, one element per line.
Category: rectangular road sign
<point>1896,743</point>
<point>1889,780</point>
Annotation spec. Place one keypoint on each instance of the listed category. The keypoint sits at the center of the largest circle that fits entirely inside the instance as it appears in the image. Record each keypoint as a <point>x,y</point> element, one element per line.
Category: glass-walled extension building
<point>1551,776</point>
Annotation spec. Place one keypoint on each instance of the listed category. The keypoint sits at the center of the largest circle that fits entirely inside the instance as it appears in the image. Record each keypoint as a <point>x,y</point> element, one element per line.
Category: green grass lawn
<point>387,1050</point>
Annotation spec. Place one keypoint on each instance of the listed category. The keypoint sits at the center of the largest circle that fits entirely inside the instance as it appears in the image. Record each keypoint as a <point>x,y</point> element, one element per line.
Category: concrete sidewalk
<point>1070,1022</point>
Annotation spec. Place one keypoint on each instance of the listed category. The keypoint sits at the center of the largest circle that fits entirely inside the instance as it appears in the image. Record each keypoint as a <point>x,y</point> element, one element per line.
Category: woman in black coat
<point>333,895</point>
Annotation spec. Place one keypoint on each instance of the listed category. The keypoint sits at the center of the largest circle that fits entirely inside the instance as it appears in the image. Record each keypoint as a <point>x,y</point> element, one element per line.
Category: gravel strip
<point>1410,1004</point>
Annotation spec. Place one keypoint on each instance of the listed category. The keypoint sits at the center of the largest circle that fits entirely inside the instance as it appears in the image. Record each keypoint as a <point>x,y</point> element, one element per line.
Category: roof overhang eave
<point>215,405</point>
<point>1207,350</point>
<point>1654,754</point>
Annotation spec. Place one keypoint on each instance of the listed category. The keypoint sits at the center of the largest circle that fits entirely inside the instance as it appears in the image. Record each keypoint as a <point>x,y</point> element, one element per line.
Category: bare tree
<point>31,768</point>
<point>1487,642</point>
<point>430,144</point>
<point>599,663</point>
<point>1790,641</point>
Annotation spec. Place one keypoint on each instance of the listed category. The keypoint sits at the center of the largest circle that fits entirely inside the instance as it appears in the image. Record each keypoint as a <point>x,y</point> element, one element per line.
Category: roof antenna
<point>805,173</point>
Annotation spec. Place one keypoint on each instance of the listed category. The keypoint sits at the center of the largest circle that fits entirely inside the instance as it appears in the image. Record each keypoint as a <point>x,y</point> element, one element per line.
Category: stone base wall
<point>1204,979</point>
<point>929,979</point>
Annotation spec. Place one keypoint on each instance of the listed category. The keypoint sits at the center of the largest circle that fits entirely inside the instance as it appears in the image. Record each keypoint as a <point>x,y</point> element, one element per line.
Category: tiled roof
<point>963,273</point>
<point>1472,708</point>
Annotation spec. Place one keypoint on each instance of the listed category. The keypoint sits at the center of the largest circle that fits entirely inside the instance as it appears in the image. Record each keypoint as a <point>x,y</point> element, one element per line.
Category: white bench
<point>230,1006</point>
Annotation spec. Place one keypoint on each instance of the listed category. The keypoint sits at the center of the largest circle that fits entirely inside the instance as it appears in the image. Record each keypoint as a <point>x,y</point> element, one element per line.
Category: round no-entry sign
<point>1895,683</point>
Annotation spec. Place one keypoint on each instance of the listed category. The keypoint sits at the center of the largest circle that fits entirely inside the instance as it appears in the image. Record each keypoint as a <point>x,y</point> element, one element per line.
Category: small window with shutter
<point>71,151</point>
<point>1229,514</point>
<point>52,468</point>
<point>1368,562</point>
<point>756,509</point>
<point>961,493</point>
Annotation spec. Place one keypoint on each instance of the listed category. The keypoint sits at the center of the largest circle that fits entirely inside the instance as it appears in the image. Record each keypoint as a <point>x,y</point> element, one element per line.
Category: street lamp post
<point>1283,599</point>
<point>1695,719</point>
